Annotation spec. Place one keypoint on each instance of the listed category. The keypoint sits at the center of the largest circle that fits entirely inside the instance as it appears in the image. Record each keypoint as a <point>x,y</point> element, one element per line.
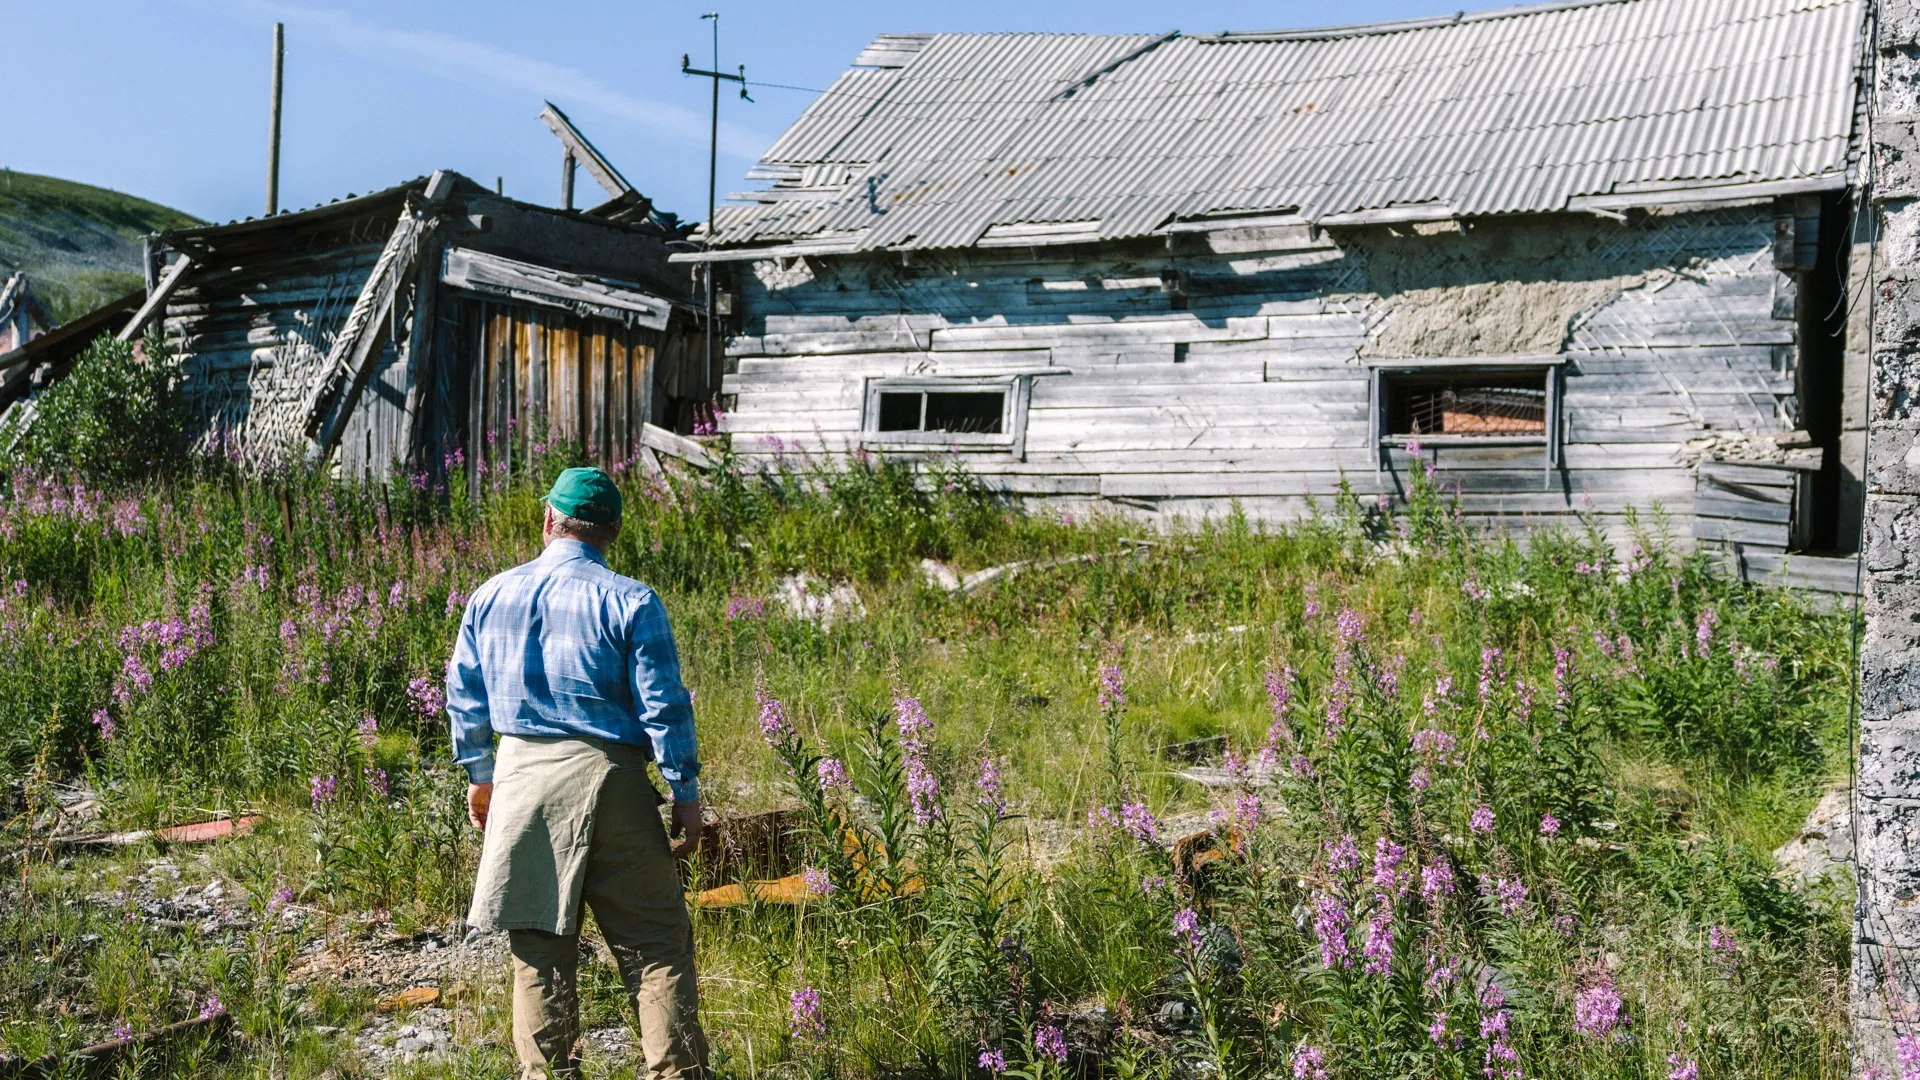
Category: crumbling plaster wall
<point>1886,991</point>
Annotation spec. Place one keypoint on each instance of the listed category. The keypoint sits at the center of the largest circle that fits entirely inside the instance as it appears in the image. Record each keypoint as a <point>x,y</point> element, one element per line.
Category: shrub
<point>117,415</point>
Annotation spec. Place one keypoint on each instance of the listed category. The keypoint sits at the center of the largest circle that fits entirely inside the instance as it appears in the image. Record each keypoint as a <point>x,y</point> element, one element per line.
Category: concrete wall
<point>1886,989</point>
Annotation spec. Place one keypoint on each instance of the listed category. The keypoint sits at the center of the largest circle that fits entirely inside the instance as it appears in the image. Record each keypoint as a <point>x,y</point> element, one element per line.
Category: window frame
<point>1011,439</point>
<point>1552,370</point>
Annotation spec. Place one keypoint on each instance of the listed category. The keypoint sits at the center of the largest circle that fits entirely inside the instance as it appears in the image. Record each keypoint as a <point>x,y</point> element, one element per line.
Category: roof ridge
<point>1321,33</point>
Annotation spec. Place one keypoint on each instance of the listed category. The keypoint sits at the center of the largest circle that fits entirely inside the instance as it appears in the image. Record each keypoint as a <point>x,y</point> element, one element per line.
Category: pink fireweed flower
<point>1549,825</point>
<point>377,781</point>
<point>321,790</point>
<point>1437,1030</point>
<point>1050,1041</point>
<point>1493,672</point>
<point>832,776</point>
<point>1598,1011</point>
<point>818,881</point>
<point>1435,746</point>
<point>1387,857</point>
<point>1102,817</point>
<point>122,1031</point>
<point>1378,948</point>
<point>1436,882</point>
<point>1330,922</point>
<point>213,1007</point>
<point>1247,811</point>
<point>1682,1067</point>
<point>804,1006</point>
<point>281,897</point>
<point>1139,822</point>
<point>1311,609</point>
<point>988,786</point>
<point>1499,1058</point>
<point>1906,1049</point>
<point>1420,780</point>
<point>923,790</point>
<point>368,731</point>
<point>1563,677</point>
<point>773,718</point>
<point>1482,819</point>
<point>1309,1063</point>
<point>745,607</point>
<point>1343,855</point>
<point>994,1061</point>
<point>1348,630</point>
<point>1113,689</point>
<point>427,697</point>
<point>1723,947</point>
<point>456,602</point>
<point>1703,631</point>
<point>1473,590</point>
<point>1302,766</point>
<point>1186,928</point>
<point>1152,883</point>
<point>1509,893</point>
<point>103,720</point>
<point>910,717</point>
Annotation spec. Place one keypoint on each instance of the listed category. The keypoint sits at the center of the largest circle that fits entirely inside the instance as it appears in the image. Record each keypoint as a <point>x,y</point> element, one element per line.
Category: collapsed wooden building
<point>431,323</point>
<point>1580,256</point>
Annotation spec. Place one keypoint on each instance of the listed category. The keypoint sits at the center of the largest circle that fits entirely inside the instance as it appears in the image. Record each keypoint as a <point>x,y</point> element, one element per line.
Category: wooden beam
<point>586,295</point>
<point>336,388</point>
<point>157,299</point>
<point>679,446</point>
<point>582,151</point>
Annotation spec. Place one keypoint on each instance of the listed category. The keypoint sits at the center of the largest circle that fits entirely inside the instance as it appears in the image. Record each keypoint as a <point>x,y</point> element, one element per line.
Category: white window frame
<point>1553,373</point>
<point>1011,439</point>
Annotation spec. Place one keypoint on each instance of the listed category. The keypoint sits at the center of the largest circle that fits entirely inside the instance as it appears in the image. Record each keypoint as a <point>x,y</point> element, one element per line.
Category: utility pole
<point>713,165</point>
<point>273,129</point>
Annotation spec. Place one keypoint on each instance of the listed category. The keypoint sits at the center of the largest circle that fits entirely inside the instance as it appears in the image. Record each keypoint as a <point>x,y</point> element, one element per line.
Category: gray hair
<point>599,534</point>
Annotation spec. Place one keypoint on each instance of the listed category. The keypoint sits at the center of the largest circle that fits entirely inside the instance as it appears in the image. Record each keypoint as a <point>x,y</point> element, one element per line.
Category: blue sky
<point>167,99</point>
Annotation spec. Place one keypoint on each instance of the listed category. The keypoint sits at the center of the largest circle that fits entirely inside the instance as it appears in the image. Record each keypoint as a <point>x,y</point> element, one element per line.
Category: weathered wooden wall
<point>1674,326</point>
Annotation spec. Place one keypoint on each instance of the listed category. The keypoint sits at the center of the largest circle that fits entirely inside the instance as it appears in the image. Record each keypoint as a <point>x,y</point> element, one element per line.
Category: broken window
<point>969,412</point>
<point>1483,404</point>
<point>943,413</point>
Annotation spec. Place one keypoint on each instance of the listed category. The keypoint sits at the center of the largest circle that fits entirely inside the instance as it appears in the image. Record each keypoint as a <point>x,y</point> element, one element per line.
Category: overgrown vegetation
<point>116,416</point>
<point>1483,808</point>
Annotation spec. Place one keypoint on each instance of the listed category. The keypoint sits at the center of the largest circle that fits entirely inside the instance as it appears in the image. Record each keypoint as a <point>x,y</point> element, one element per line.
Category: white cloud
<point>487,67</point>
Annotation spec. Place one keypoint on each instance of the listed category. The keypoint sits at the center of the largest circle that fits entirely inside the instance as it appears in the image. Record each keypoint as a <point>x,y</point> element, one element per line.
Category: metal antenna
<point>713,167</point>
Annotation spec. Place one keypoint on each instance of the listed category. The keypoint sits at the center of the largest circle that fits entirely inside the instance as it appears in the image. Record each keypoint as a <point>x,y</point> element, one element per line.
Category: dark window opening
<point>970,412</point>
<point>1472,405</point>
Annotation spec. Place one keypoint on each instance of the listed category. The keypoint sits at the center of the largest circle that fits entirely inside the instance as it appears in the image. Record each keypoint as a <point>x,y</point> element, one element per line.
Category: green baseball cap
<point>587,494</point>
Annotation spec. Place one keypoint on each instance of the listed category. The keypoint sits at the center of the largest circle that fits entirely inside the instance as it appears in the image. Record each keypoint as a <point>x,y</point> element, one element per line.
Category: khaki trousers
<point>631,885</point>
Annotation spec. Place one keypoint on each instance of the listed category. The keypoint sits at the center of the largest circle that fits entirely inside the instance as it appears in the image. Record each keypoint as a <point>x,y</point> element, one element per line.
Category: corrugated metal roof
<point>938,137</point>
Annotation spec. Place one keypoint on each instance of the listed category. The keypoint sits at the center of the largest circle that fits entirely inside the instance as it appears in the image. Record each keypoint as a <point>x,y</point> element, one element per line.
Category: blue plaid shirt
<point>564,646</point>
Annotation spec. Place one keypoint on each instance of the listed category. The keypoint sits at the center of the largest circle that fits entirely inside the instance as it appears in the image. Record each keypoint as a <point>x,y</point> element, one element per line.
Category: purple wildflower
<point>1482,819</point>
<point>994,1061</point>
<point>773,718</point>
<point>1139,822</point>
<point>1113,690</point>
<point>1186,927</point>
<point>1434,745</point>
<point>818,881</point>
<point>1420,779</point>
<point>1684,1068</point>
<point>427,697</point>
<point>832,776</point>
<point>1247,811</point>
<point>103,720</point>
<point>1436,882</point>
<point>1703,631</point>
<point>321,790</point>
<point>368,731</point>
<point>1309,1063</point>
<point>1510,893</point>
<point>1378,949</point>
<point>377,781</point>
<point>1549,825</point>
<point>988,785</point>
<point>122,1031</point>
<point>1050,1041</point>
<point>1330,923</point>
<point>1152,883</point>
<point>1343,854</point>
<point>808,1024</point>
<point>1437,1030</point>
<point>1493,672</point>
<point>1500,1059</point>
<point>1724,947</point>
<point>213,1007</point>
<point>281,897</point>
<point>1563,677</point>
<point>1906,1049</point>
<point>1387,856</point>
<point>1598,1011</point>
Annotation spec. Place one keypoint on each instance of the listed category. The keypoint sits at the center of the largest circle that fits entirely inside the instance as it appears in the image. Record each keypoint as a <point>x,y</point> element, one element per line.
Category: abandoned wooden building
<point>431,322</point>
<point>1575,257</point>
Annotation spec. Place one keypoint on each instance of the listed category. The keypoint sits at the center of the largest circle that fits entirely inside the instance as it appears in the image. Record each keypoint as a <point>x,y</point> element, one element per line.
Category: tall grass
<point>1490,803</point>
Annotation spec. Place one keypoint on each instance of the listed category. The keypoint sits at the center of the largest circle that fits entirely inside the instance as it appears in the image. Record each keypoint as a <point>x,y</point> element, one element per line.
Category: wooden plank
<point>1752,473</point>
<point>586,295</point>
<point>679,446</point>
<point>1713,504</point>
<point>330,400</point>
<point>1142,332</point>
<point>582,151</point>
<point>156,301</point>
<point>619,365</point>
<point>419,356</point>
<point>1740,532</point>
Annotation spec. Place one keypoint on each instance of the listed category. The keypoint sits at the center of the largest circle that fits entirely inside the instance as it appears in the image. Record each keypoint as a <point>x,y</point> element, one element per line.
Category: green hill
<point>80,244</point>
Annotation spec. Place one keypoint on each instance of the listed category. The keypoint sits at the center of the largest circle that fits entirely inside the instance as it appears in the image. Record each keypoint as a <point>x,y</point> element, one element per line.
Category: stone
<point>411,1045</point>
<point>1890,758</point>
<point>1825,842</point>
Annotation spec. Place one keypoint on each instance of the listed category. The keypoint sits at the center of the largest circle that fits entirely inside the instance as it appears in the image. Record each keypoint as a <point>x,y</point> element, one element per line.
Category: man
<point>574,668</point>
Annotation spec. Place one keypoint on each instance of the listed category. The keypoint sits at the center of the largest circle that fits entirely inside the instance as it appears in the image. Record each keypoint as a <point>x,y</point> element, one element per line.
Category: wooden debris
<point>103,1059</point>
<point>418,997</point>
<point>195,832</point>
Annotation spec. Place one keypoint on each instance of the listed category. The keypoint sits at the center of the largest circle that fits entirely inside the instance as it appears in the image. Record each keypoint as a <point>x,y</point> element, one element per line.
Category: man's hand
<point>686,825</point>
<point>479,798</point>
